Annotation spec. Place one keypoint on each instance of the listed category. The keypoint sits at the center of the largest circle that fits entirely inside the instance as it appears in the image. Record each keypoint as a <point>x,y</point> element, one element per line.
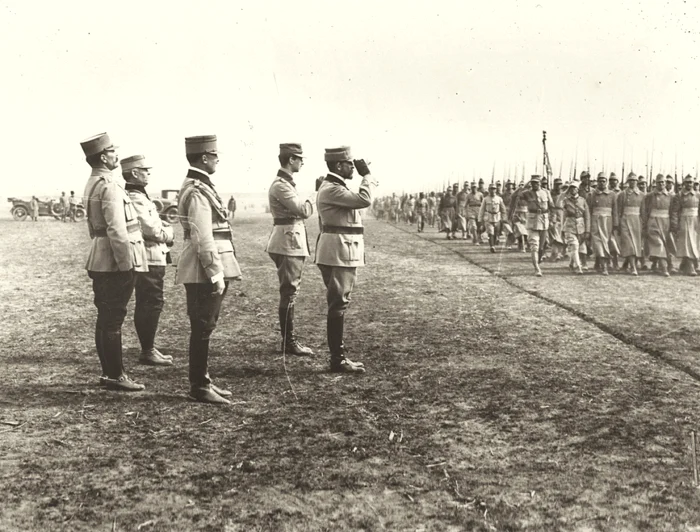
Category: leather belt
<point>659,213</point>
<point>602,211</point>
<point>630,210</point>
<point>216,235</point>
<point>340,230</point>
<point>129,228</point>
<point>689,211</point>
<point>286,221</point>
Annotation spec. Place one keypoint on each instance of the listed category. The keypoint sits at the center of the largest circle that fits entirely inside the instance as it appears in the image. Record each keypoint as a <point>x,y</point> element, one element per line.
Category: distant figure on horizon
<point>231,209</point>
<point>34,204</point>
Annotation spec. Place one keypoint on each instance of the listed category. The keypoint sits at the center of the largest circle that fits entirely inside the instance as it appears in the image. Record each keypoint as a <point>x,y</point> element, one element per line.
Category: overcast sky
<point>429,92</point>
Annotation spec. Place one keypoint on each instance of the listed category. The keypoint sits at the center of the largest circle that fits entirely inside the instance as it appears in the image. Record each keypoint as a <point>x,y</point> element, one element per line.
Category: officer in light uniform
<point>340,248</point>
<point>288,244</point>
<point>157,236</point>
<point>491,213</point>
<point>116,254</point>
<point>207,262</point>
<point>539,205</point>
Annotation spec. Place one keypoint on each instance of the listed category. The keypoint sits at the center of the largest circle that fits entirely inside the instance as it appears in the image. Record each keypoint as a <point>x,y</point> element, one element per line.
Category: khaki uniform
<point>341,248</point>
<point>491,213</point>
<point>685,224</point>
<point>208,252</point>
<point>629,202</point>
<point>288,244</point>
<point>117,243</point>
<point>603,210</point>
<point>539,205</point>
<point>656,224</point>
<point>149,285</point>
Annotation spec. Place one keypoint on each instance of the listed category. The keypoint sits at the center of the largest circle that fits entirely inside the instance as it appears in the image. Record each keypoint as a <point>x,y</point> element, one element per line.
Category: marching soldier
<point>555,233</point>
<point>432,209</point>
<point>288,245</point>
<point>576,225</point>
<point>685,225</point>
<point>157,237</point>
<point>614,187</point>
<point>207,262</point>
<point>656,224</point>
<point>474,200</point>
<point>421,211</point>
<point>628,224</point>
<point>491,213</point>
<point>340,248</point>
<point>395,207</point>
<point>518,216</point>
<point>539,205</point>
<point>461,220</point>
<point>669,185</point>
<point>116,254</point>
<point>507,228</point>
<point>601,203</point>
<point>447,212</point>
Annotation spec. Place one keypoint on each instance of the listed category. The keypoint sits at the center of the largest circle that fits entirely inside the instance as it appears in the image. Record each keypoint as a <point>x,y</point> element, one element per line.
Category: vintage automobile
<point>166,205</point>
<point>21,208</point>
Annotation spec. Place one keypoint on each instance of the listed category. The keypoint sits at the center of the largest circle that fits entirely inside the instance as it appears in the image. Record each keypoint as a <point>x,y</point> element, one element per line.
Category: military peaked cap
<point>97,144</point>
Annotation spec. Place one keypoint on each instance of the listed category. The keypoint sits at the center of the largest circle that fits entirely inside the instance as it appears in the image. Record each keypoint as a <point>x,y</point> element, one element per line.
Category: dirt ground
<point>493,400</point>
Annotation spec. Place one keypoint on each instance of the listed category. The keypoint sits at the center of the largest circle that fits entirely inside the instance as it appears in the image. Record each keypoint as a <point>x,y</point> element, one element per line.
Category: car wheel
<point>79,214</point>
<point>20,213</point>
<point>171,215</point>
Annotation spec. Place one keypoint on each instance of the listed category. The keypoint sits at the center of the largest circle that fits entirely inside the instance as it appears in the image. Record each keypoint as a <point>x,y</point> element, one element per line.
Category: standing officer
<point>117,253</point>
<point>34,205</point>
<point>340,249</point>
<point>157,236</point>
<point>207,262</point>
<point>288,245</point>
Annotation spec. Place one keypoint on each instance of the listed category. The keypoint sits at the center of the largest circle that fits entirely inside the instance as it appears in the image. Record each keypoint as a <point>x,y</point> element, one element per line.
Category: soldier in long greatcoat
<point>685,226</point>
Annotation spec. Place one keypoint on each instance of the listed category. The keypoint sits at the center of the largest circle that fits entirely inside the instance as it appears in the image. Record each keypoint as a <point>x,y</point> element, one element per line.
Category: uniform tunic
<point>474,200</point>
<point>555,232</point>
<point>208,254</point>
<point>341,248</point>
<point>461,207</point>
<point>576,222</point>
<point>656,224</point>
<point>447,211</point>
<point>491,213</point>
<point>603,211</point>
<point>684,223</point>
<point>629,202</point>
<point>288,243</point>
<point>518,212</point>
<point>539,205</point>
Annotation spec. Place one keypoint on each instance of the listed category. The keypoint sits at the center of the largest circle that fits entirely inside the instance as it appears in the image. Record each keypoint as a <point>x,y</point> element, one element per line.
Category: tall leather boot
<point>663,267</point>
<point>289,342</point>
<point>492,243</point>
<point>146,325</point>
<point>112,352</point>
<point>671,269</point>
<point>338,361</point>
<point>100,355</point>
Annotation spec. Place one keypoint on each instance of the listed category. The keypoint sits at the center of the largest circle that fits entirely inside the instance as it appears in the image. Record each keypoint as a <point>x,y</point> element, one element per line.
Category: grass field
<point>493,400</point>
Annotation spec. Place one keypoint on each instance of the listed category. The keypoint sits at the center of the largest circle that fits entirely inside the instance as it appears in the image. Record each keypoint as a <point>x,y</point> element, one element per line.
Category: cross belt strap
<point>286,221</point>
<point>103,232</point>
<point>342,230</point>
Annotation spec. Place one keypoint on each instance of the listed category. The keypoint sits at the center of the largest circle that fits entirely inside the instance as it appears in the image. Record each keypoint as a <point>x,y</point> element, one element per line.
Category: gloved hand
<point>361,166</point>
